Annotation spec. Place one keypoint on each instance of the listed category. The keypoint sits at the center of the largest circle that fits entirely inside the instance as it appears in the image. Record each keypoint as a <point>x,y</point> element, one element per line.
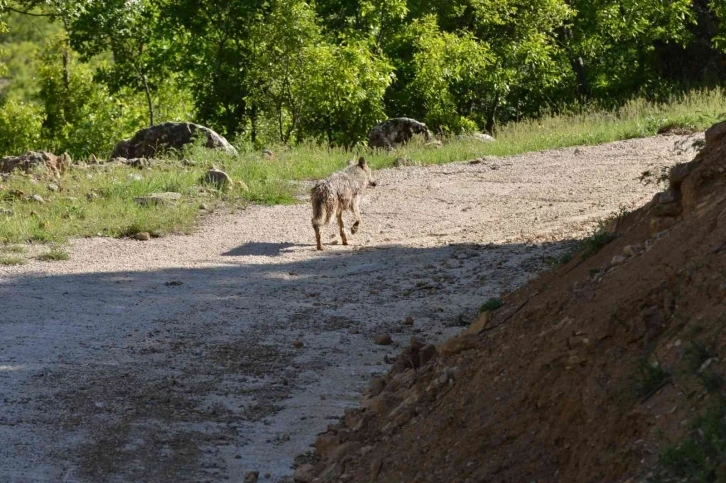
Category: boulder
<point>396,131</point>
<point>479,136</point>
<point>218,178</point>
<point>154,140</point>
<point>32,160</point>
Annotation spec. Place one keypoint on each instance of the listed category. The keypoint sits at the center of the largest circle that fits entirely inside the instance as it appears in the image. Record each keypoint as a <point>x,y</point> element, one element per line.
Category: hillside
<point>609,368</point>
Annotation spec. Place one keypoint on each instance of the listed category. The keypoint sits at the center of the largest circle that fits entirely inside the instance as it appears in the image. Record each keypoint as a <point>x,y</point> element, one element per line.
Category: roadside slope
<point>584,375</point>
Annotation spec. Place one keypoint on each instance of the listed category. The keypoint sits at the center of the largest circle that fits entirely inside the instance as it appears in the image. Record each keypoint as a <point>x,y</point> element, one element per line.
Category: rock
<point>618,260</point>
<point>138,163</point>
<point>427,353</point>
<point>668,209</point>
<point>267,154</point>
<point>679,172</point>
<point>353,331</point>
<point>142,236</point>
<point>458,345</point>
<point>715,132</point>
<point>37,199</point>
<point>298,344</point>
<point>92,195</point>
<point>218,178</point>
<point>494,167</point>
<point>304,474</point>
<point>660,224</point>
<point>477,161</point>
<point>376,467</point>
<point>478,325</point>
<point>157,139</point>
<point>383,339</point>
<point>167,198</point>
<point>479,136</point>
<point>666,197</point>
<point>6,212</point>
<point>434,144</point>
<point>325,444</point>
<point>251,476</point>
<point>53,187</point>
<point>632,250</point>
<point>396,131</point>
<point>32,161</point>
<point>408,321</point>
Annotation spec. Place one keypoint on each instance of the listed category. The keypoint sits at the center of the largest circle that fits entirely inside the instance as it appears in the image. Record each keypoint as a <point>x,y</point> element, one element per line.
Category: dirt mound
<point>608,368</point>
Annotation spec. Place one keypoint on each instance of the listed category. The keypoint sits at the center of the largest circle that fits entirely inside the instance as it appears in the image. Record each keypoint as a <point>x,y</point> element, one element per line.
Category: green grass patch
<point>10,260</point>
<point>56,254</point>
<point>99,201</point>
<point>701,456</point>
<point>13,249</point>
<point>491,305</point>
<point>651,377</point>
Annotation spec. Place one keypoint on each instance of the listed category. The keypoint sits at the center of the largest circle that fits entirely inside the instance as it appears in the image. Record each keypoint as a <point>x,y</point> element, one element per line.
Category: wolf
<point>339,192</point>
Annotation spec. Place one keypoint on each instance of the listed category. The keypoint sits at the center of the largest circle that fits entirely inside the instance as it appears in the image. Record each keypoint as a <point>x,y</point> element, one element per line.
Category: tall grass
<point>99,201</point>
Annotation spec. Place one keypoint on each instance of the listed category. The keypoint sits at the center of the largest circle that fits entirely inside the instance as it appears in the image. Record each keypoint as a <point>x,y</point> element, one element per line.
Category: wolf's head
<point>362,164</point>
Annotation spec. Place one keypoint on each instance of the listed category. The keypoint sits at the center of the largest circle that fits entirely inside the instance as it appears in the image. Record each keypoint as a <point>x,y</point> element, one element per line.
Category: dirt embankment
<point>586,374</point>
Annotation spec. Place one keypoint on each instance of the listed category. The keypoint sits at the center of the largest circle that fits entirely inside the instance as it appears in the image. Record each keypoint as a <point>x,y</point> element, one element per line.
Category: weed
<point>650,378</point>
<point>595,242</point>
<point>12,260</point>
<point>700,457</point>
<point>491,305</point>
<point>56,254</point>
<point>13,249</point>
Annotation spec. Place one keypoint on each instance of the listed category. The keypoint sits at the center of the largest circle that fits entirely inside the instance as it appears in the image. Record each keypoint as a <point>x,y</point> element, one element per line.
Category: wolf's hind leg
<point>356,212</point>
<point>340,227</point>
<point>317,237</point>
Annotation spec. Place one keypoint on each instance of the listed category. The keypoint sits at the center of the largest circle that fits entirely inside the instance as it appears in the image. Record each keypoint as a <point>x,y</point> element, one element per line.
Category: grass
<point>650,378</point>
<point>56,254</point>
<point>11,260</point>
<point>491,305</point>
<point>700,457</point>
<point>99,201</point>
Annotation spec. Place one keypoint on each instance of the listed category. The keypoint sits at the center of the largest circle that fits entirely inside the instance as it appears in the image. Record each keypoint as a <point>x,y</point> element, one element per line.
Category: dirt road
<point>174,359</point>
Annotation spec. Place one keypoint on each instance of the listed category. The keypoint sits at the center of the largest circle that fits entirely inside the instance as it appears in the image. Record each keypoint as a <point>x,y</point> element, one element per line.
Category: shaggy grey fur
<point>339,192</point>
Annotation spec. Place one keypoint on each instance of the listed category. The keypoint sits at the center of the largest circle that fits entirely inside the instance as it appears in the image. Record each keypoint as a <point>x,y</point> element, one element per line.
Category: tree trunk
<point>253,120</point>
<point>578,67</point>
<point>149,101</point>
<point>492,116</point>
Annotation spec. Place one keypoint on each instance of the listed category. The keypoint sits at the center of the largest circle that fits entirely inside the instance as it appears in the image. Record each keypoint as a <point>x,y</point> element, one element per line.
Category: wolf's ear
<point>361,162</point>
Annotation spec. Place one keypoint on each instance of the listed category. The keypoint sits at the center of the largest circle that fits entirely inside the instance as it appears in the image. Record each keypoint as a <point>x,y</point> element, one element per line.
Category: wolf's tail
<point>323,205</point>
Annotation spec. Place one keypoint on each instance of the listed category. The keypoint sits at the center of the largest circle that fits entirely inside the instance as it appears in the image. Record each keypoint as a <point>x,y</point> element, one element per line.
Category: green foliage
<point>494,303</point>
<point>699,457</point>
<point>55,254</point>
<point>81,116</point>
<point>20,125</point>
<point>12,260</point>
<point>650,378</point>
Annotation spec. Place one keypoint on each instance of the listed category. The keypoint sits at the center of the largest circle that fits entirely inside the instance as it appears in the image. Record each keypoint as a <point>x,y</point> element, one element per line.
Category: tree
<point>130,31</point>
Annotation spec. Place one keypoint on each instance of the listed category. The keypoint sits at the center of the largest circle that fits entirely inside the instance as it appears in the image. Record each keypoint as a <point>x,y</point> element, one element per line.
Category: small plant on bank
<point>700,456</point>
<point>11,260</point>
<point>491,305</point>
<point>650,378</point>
<point>56,254</point>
